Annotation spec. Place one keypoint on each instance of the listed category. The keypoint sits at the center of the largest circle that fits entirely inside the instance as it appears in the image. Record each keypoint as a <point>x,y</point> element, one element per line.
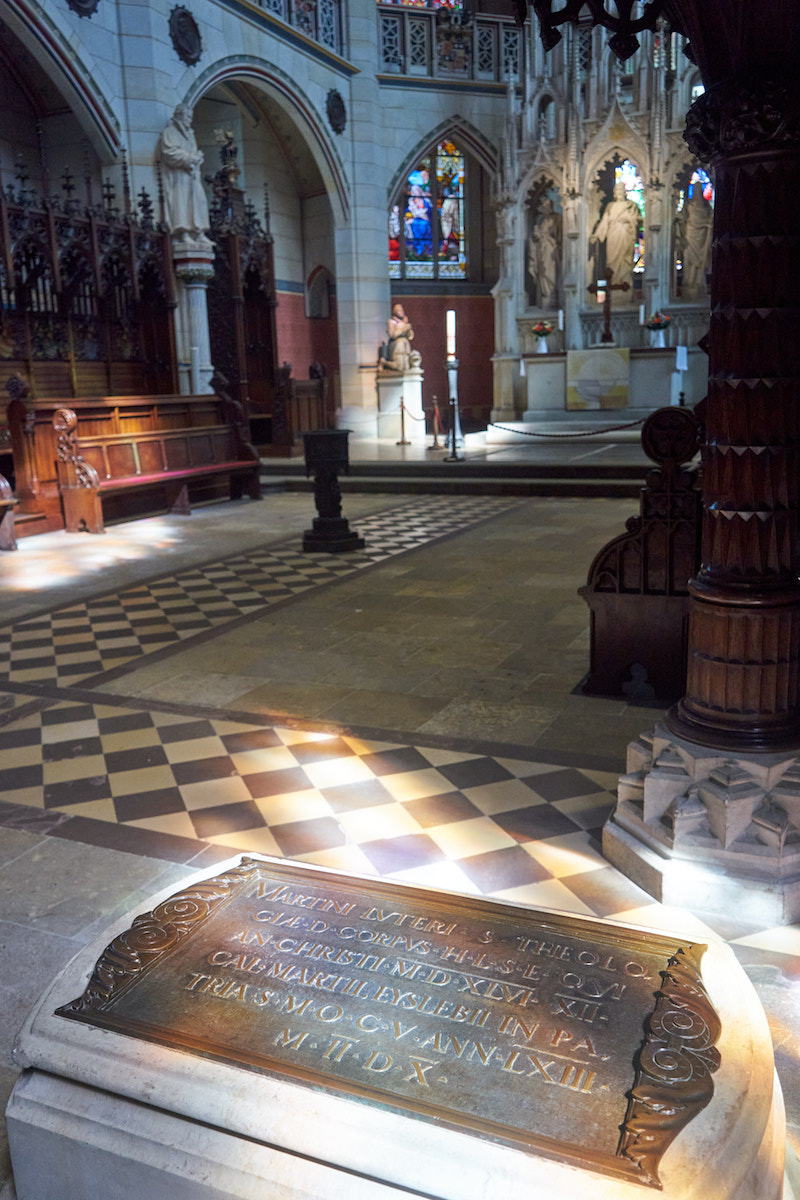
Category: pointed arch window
<point>426,225</point>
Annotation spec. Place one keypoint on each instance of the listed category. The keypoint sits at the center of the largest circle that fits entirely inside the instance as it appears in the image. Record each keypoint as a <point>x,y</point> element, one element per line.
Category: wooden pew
<point>8,502</point>
<point>166,449</point>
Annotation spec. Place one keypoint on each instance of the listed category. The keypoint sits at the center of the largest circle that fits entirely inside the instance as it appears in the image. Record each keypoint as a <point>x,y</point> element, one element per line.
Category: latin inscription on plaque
<point>590,1043</point>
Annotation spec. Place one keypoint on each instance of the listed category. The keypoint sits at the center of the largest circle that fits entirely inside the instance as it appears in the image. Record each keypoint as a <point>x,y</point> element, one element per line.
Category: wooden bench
<point>164,459</point>
<point>8,502</point>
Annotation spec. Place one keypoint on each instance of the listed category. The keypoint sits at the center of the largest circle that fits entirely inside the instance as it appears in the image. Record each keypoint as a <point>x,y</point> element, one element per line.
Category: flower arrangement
<point>541,328</point>
<point>658,320</point>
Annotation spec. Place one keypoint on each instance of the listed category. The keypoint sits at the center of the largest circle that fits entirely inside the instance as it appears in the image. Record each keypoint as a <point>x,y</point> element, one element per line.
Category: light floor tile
<point>360,746</point>
<point>30,797</point>
<point>441,876</point>
<point>783,938</point>
<point>265,758</point>
<point>382,821</point>
<point>259,841</point>
<point>570,854</point>
<point>341,858</point>
<point>337,772</point>
<point>505,796</point>
<point>462,839</point>
<point>551,893</point>
<point>70,731</point>
<point>25,756</point>
<point>97,810</point>
<point>296,737</point>
<point>666,919</point>
<point>415,785</point>
<point>88,767</point>
<point>443,758</point>
<point>231,790</point>
<point>176,824</point>
<point>129,739</point>
<point>522,767</point>
<point>194,749</point>
<point>146,779</point>
<point>304,805</point>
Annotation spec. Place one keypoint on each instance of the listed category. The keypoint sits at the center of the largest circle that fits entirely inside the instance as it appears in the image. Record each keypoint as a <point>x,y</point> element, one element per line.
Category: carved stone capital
<point>743,118</point>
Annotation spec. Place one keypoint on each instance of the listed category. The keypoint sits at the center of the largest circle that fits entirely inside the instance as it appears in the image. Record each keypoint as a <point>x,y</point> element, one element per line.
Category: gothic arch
<point>75,79</point>
<point>285,92</point>
<point>454,129</point>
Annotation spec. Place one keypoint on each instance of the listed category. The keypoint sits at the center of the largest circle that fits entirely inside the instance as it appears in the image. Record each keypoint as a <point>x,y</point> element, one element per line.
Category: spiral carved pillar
<point>708,812</point>
<point>743,685</point>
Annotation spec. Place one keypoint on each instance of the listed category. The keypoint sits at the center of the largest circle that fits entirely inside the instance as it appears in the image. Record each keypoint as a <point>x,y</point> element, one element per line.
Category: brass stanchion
<point>403,440</point>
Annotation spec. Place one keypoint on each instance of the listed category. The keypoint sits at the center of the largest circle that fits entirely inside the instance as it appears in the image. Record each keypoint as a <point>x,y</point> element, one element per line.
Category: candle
<point>681,359</point>
<point>450,328</point>
<point>561,318</point>
<point>641,314</point>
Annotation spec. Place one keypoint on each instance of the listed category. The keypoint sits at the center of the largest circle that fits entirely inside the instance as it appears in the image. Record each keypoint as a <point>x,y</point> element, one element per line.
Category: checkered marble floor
<point>169,781</point>
<point>81,641</point>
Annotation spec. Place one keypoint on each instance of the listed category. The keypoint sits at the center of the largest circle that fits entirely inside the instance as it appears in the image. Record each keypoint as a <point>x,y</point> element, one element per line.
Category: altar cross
<point>610,287</point>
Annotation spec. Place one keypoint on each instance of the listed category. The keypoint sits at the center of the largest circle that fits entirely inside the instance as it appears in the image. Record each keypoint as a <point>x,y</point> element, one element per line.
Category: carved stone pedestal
<point>711,830</point>
<point>193,261</point>
<point>394,387</point>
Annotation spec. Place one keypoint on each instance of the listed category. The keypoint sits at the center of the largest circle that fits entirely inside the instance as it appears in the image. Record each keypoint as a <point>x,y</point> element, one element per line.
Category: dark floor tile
<point>304,837</point>
<point>30,820</point>
<point>76,791</point>
<point>65,715</point>
<point>558,785</point>
<point>227,818</point>
<point>605,891</point>
<point>140,806</point>
<point>14,778</point>
<point>164,635</point>
<point>532,824</point>
<point>441,810</point>
<point>200,770</point>
<point>76,670</point>
<point>128,838</point>
<point>250,739</point>
<point>392,762</point>
<point>475,772</point>
<point>71,748</point>
<point>389,855</point>
<point>125,722</point>
<point>274,783</point>
<point>588,816</point>
<point>14,739</point>
<point>33,664</point>
<point>186,731</point>
<point>498,870</point>
<point>311,752</point>
<point>347,797</point>
<point>135,759</point>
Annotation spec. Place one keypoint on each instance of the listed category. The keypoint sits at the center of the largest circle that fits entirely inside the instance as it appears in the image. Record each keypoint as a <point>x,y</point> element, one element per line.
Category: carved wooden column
<point>743,685</point>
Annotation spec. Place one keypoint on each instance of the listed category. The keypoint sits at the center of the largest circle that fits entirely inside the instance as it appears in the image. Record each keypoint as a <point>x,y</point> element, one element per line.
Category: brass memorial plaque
<point>560,1036</point>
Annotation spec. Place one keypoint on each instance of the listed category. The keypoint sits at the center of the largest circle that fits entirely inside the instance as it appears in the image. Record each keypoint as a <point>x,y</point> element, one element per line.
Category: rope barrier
<point>578,432</point>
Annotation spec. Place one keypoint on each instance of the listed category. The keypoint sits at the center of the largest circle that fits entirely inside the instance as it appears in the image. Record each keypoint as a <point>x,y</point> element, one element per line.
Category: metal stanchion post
<point>455,424</point>
<point>403,440</point>
<point>436,426</point>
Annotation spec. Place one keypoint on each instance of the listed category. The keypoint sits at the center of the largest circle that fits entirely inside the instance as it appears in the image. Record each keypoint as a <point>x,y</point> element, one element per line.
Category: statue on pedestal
<point>618,228</point>
<point>693,231</point>
<point>544,254</point>
<point>396,353</point>
<point>185,200</point>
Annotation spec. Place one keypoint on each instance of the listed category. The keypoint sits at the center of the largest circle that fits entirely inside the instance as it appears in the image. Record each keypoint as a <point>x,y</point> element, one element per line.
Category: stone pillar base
<point>708,829</point>
<point>394,386</point>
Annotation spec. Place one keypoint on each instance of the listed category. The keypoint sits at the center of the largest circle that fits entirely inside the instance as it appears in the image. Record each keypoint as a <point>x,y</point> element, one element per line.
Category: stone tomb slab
<point>336,1034</point>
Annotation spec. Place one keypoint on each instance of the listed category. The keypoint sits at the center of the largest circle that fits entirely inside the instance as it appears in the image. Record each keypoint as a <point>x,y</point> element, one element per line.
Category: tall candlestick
<point>561,318</point>
<point>641,314</point>
<point>450,328</point>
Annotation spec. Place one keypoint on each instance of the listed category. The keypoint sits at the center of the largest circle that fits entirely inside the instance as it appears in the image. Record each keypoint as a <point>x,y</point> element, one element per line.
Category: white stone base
<point>97,1113</point>
<point>709,829</point>
<point>394,386</point>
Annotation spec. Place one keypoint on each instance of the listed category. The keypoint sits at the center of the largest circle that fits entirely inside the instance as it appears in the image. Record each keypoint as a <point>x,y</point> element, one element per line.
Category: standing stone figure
<point>184,197</point>
<point>693,230</point>
<point>544,254</point>
<point>396,353</point>
<point>619,229</point>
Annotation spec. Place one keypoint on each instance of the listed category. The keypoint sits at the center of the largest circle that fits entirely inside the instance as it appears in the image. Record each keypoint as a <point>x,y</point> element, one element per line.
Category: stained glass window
<point>426,226</point>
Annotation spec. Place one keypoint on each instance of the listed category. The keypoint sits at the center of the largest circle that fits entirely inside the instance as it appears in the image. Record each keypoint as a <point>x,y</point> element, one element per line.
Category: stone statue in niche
<point>693,231</point>
<point>184,197</point>
<point>396,353</point>
<point>544,255</point>
<point>618,229</point>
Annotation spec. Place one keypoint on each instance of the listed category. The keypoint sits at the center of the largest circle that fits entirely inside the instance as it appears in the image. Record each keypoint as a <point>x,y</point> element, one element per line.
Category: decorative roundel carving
<point>337,113</point>
<point>84,8</point>
<point>185,35</point>
<point>670,435</point>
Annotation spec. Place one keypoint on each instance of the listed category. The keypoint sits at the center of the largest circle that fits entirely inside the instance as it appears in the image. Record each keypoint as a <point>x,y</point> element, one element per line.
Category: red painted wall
<point>474,349</point>
<point>302,341</point>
